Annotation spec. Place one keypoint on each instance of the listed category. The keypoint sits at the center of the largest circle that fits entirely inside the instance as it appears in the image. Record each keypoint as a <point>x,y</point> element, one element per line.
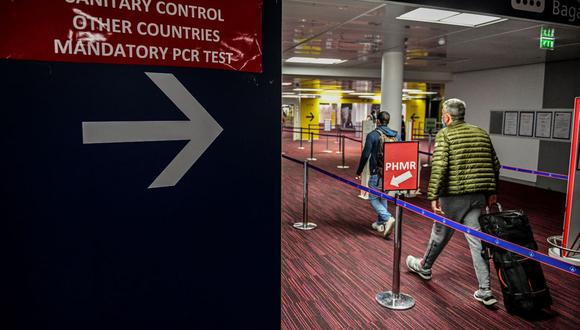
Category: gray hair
<point>455,108</point>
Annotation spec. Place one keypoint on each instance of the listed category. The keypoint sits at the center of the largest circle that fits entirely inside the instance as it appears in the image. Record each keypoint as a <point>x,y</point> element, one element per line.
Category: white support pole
<point>392,85</point>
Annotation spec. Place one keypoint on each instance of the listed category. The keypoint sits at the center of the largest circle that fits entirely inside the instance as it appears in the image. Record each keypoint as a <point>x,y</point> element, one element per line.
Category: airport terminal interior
<point>344,61</point>
<point>293,164</point>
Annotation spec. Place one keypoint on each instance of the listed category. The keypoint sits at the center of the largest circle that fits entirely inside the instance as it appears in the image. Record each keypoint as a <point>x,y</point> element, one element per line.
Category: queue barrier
<point>551,175</point>
<point>528,253</point>
<point>341,145</point>
<point>321,128</point>
<point>305,224</point>
<point>301,129</point>
<point>394,299</point>
<point>540,173</point>
<point>523,170</point>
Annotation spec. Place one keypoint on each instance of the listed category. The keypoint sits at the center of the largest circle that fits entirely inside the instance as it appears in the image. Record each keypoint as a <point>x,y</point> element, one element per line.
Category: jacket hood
<point>387,130</point>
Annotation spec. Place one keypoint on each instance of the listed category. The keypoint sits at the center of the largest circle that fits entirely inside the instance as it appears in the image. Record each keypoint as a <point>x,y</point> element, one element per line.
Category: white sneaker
<point>389,225</point>
<point>380,228</point>
<point>414,265</point>
<point>485,297</point>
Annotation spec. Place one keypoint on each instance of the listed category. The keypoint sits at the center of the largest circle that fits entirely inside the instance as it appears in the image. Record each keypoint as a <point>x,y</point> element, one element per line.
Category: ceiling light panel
<point>338,91</point>
<point>314,60</point>
<point>362,93</point>
<point>449,17</point>
<point>469,19</point>
<point>308,89</point>
<point>427,15</point>
<point>407,90</point>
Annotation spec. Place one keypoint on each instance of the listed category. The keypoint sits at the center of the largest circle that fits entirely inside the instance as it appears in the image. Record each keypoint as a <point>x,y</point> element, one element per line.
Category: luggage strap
<point>498,207</point>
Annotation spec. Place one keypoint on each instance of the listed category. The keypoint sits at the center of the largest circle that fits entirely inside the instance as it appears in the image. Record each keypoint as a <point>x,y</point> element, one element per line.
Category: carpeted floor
<point>330,275</point>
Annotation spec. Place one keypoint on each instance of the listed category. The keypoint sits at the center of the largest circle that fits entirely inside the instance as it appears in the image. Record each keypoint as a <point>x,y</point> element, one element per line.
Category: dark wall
<point>87,246</point>
<point>561,86</point>
<point>554,157</point>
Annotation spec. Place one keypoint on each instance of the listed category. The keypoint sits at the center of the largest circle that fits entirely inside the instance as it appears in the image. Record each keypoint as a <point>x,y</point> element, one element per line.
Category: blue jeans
<point>379,204</point>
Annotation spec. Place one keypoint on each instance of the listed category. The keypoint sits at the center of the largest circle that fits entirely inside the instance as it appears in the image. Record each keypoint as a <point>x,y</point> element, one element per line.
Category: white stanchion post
<point>311,158</point>
<point>395,299</point>
<point>328,151</point>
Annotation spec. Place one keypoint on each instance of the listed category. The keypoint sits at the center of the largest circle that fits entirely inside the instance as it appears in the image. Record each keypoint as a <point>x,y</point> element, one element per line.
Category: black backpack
<point>383,138</point>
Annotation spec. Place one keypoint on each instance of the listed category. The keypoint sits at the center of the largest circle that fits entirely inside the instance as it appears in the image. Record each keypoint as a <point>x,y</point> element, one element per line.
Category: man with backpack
<point>373,153</point>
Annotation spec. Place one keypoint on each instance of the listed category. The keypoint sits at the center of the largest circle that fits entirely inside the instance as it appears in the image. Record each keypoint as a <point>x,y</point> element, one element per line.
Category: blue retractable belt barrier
<point>535,255</point>
<point>509,168</point>
<point>540,173</point>
<point>523,170</point>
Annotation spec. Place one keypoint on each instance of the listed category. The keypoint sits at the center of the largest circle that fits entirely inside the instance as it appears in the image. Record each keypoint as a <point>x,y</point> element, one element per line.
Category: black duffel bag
<point>522,280</point>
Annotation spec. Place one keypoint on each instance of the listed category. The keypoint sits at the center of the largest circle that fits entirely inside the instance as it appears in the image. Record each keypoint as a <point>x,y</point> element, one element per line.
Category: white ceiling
<point>360,31</point>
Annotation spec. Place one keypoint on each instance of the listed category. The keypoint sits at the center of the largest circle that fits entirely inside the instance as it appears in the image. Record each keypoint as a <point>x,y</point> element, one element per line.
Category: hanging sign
<point>547,38</point>
<point>555,11</point>
<point>202,33</point>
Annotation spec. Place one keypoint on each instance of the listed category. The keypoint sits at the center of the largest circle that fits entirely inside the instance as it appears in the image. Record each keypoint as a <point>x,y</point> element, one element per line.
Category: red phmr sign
<point>401,166</point>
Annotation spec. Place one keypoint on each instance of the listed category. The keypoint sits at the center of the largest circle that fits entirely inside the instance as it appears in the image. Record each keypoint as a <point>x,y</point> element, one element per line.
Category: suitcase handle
<point>498,207</point>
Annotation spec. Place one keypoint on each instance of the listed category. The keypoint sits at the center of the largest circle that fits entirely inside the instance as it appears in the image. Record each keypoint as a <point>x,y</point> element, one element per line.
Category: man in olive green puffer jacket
<point>464,178</point>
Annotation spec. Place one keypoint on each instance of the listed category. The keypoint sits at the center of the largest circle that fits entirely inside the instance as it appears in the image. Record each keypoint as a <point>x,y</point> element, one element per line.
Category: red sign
<point>401,166</point>
<point>192,33</point>
<point>571,233</point>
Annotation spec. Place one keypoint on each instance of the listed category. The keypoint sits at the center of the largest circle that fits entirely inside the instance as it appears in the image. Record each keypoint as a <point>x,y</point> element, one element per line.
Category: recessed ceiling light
<point>362,93</point>
<point>449,17</point>
<point>469,19</point>
<point>337,91</point>
<point>308,89</point>
<point>330,98</point>
<point>427,15</point>
<point>422,93</point>
<point>286,83</point>
<point>314,60</point>
<point>309,96</point>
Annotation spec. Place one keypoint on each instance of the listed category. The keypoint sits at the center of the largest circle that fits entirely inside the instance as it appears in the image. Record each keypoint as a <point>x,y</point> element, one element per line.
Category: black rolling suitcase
<point>522,280</point>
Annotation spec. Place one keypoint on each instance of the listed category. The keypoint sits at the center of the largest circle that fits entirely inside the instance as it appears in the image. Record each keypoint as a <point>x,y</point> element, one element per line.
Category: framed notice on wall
<point>510,123</point>
<point>526,127</point>
<point>543,124</point>
<point>562,125</point>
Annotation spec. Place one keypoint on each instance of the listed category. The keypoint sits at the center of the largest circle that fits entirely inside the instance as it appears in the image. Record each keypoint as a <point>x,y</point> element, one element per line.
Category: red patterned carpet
<point>330,275</point>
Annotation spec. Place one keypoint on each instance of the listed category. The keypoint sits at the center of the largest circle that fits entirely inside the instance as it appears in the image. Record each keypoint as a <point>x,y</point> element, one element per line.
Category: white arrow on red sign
<point>397,180</point>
